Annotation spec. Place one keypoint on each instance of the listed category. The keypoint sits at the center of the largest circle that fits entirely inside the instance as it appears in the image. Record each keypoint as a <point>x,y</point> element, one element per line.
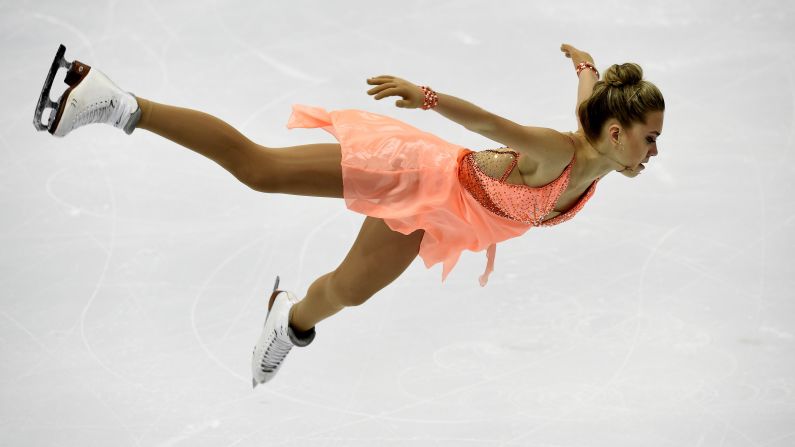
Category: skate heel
<point>77,72</point>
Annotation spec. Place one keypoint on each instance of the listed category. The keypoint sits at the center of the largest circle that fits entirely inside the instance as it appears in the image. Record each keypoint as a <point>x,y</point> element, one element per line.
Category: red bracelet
<point>583,65</point>
<point>431,98</point>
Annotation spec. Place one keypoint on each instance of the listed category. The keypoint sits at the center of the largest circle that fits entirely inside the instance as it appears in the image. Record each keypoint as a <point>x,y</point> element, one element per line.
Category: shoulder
<point>540,145</point>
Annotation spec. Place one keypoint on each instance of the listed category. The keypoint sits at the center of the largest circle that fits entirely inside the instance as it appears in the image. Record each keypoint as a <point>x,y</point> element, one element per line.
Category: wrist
<point>587,74</point>
<point>588,67</point>
<point>431,99</point>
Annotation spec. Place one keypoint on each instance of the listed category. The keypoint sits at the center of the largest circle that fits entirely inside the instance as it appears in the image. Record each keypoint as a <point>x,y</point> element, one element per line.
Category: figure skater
<point>421,195</point>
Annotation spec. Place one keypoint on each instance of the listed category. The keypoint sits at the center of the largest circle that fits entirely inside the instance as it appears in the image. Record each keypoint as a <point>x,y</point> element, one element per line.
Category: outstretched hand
<point>576,56</point>
<point>412,95</point>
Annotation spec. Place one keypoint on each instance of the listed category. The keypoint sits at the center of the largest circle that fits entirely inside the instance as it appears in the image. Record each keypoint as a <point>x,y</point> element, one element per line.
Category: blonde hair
<point>623,94</point>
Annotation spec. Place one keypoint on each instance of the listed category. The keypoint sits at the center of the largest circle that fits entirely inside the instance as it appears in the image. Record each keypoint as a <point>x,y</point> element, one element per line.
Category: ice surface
<point>135,273</point>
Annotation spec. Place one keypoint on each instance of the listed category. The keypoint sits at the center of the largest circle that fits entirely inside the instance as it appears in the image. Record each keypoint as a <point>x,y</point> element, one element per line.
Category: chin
<point>630,174</point>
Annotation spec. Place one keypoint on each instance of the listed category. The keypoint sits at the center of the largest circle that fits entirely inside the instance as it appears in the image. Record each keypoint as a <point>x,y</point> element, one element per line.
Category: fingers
<point>391,91</point>
<point>380,79</point>
<point>381,85</point>
<point>382,82</point>
<point>387,85</point>
<point>576,56</point>
<point>386,89</point>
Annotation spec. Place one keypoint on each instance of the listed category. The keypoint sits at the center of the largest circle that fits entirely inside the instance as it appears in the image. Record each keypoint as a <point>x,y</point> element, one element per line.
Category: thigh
<point>378,256</point>
<point>308,170</point>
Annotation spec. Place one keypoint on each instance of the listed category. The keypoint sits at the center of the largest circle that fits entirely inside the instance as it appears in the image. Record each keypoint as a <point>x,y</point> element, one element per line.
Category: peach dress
<point>415,180</point>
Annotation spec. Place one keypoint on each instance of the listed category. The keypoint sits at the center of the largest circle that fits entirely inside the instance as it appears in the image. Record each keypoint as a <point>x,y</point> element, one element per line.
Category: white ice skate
<point>277,338</point>
<point>90,98</point>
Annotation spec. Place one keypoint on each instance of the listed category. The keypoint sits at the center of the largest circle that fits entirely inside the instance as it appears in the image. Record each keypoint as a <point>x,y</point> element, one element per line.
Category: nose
<point>653,152</point>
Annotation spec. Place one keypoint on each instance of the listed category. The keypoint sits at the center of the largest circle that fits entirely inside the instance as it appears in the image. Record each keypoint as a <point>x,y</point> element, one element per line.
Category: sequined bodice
<point>520,203</point>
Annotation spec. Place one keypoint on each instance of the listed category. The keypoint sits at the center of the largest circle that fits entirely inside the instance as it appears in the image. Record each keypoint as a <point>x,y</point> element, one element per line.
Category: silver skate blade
<point>44,99</point>
<point>253,383</point>
<point>276,286</point>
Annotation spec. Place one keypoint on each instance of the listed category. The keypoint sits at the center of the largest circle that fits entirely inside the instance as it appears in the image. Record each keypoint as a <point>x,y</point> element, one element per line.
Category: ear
<point>613,131</point>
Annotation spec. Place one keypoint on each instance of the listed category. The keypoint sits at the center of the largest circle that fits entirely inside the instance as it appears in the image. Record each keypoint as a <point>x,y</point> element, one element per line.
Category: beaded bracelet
<point>431,98</point>
<point>583,65</point>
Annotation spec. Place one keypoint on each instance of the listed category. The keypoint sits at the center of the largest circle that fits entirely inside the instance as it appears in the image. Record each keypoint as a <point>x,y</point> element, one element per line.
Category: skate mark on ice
<point>100,282</point>
<point>26,331</point>
<point>308,239</point>
<point>633,344</point>
<point>281,99</point>
<point>282,67</point>
<point>195,304</point>
<point>74,210</point>
<point>256,293</point>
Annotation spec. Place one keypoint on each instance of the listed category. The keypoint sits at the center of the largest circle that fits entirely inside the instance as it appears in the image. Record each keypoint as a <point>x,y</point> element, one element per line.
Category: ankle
<point>297,328</point>
<point>145,107</point>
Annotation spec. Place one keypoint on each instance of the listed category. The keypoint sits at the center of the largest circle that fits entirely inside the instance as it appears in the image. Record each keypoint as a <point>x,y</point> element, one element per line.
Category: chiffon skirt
<point>409,178</point>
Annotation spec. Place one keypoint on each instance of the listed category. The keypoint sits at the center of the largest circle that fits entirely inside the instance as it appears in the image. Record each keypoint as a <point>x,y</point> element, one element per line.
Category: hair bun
<point>629,73</point>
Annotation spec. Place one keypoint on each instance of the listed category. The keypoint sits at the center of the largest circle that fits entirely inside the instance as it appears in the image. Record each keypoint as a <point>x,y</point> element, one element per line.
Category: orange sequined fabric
<point>520,203</point>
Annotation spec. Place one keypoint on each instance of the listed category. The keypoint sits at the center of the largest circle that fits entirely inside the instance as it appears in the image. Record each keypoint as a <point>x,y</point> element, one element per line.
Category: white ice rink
<point>134,273</point>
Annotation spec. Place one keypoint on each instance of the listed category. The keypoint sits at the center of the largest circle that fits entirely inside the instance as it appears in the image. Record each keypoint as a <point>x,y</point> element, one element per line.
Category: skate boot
<point>90,98</point>
<point>277,338</point>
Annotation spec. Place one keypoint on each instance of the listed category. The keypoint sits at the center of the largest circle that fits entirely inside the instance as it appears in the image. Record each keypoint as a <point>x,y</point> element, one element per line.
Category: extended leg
<point>198,131</point>
<point>308,170</point>
<point>378,257</point>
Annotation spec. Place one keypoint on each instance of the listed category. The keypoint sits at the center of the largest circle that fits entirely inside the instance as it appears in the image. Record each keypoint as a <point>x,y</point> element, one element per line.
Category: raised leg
<point>308,170</point>
<point>198,131</point>
<point>378,257</point>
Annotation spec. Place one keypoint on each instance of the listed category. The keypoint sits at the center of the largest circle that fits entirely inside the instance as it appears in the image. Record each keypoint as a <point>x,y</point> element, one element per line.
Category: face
<point>639,144</point>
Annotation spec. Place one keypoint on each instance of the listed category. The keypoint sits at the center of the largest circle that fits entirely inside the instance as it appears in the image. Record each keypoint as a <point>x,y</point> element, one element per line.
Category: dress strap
<point>510,167</point>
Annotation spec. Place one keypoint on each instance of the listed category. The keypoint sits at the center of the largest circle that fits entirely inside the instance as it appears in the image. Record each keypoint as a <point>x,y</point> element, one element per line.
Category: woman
<point>422,195</point>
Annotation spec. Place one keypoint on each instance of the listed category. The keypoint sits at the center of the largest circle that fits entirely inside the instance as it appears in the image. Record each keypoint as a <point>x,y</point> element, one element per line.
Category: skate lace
<point>275,353</point>
<point>97,113</point>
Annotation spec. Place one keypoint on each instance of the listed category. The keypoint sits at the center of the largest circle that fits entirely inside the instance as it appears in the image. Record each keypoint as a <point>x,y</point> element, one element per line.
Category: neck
<point>594,161</point>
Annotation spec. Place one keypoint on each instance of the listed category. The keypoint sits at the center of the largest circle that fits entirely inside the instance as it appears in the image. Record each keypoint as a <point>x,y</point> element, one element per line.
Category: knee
<point>254,170</point>
<point>347,295</point>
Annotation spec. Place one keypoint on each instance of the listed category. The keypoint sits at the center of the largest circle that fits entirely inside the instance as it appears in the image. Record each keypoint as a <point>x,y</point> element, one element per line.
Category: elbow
<point>484,125</point>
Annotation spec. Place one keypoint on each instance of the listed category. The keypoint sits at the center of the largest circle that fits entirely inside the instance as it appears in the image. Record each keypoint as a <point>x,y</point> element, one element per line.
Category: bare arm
<point>585,87</point>
<point>464,113</point>
<point>539,143</point>
<point>587,78</point>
